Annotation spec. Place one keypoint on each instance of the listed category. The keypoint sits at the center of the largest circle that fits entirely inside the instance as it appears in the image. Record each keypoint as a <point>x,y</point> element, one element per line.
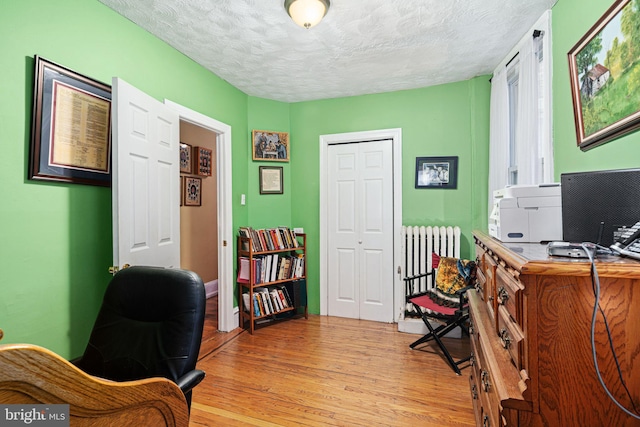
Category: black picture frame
<point>604,84</point>
<point>437,172</point>
<point>71,127</point>
<point>271,180</point>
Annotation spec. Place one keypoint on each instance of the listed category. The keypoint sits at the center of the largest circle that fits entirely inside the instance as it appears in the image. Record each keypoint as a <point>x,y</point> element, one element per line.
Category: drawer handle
<point>474,392</point>
<point>505,339</point>
<point>503,295</point>
<point>484,378</point>
<point>485,421</point>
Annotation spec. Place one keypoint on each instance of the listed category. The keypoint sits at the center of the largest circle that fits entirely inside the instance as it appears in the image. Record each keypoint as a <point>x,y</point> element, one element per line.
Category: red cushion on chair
<point>425,301</point>
<point>435,260</point>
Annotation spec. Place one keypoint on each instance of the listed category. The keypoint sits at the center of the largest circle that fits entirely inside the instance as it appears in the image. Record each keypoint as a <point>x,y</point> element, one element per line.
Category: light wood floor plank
<point>327,371</point>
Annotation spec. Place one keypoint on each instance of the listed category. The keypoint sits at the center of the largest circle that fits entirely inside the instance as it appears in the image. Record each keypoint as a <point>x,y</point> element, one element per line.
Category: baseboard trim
<point>211,288</point>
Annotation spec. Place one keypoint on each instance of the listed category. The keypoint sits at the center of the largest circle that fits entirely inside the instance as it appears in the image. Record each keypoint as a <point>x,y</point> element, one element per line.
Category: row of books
<point>270,239</point>
<point>270,268</point>
<point>267,301</point>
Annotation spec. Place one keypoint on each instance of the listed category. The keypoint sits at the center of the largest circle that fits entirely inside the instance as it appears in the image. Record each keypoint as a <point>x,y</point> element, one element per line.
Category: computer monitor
<point>595,205</point>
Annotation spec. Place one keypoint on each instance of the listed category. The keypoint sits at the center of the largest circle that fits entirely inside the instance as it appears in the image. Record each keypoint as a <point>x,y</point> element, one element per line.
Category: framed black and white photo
<point>437,172</point>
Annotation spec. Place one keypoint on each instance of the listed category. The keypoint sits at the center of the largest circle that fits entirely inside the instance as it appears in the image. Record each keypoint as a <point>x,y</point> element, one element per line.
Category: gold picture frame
<point>270,146</point>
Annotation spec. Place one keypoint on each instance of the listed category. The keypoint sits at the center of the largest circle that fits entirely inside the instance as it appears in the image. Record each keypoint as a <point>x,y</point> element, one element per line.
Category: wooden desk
<point>531,317</point>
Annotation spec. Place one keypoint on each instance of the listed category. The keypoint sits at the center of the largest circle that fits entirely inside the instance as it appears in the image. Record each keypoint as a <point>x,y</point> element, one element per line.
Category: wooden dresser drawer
<point>496,382</point>
<point>490,286</point>
<point>481,284</point>
<point>511,337</point>
<point>509,294</point>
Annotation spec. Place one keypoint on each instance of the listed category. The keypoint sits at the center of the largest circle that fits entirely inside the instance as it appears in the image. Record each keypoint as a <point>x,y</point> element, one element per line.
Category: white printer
<point>527,213</point>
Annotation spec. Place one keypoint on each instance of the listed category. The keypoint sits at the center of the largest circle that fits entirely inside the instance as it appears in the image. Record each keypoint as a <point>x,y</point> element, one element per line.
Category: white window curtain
<point>498,134</point>
<point>527,147</point>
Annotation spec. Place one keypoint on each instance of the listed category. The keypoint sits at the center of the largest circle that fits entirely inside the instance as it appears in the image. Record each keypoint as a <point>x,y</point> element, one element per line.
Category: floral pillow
<point>452,275</point>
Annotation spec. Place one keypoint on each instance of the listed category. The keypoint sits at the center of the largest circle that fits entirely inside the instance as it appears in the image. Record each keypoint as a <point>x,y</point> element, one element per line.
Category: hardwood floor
<point>329,371</point>
<point>211,337</point>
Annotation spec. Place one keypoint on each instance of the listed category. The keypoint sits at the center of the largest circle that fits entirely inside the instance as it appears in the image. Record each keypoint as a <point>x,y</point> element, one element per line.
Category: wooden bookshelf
<point>271,277</point>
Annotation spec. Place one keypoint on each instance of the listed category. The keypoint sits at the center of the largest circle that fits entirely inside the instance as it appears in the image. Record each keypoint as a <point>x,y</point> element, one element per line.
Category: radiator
<point>418,243</point>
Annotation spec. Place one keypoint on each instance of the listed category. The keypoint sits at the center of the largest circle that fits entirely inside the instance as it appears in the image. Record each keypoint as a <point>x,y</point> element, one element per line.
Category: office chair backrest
<point>150,324</point>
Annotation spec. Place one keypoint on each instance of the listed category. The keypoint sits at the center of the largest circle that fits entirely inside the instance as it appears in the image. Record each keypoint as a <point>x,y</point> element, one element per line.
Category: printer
<point>527,213</point>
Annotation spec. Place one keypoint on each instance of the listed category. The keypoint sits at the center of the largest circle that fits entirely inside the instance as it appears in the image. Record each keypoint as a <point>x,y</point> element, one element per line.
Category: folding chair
<point>444,301</point>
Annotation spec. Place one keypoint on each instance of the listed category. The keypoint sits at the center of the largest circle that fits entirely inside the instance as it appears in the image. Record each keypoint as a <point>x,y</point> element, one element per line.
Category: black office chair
<point>443,301</point>
<point>149,325</point>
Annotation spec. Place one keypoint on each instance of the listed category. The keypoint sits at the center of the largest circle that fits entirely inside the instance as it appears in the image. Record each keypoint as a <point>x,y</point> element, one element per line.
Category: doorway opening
<point>223,224</point>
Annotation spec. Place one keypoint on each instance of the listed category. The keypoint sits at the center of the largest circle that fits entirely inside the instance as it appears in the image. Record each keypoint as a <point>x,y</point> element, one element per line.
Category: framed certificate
<point>71,128</point>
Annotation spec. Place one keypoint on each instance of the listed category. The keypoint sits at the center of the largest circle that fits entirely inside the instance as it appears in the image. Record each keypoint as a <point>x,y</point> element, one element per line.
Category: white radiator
<point>418,245</point>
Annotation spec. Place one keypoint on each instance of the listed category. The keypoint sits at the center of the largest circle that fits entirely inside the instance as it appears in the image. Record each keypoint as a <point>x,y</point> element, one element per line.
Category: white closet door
<point>360,226</point>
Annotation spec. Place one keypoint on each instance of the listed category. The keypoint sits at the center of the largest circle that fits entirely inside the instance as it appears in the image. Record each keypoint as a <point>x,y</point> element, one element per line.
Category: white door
<point>146,179</point>
<point>360,230</point>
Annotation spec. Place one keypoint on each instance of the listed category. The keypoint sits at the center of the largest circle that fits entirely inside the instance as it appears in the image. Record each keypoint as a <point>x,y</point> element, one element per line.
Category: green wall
<point>446,120</point>
<point>570,21</point>
<point>56,238</point>
<point>268,210</point>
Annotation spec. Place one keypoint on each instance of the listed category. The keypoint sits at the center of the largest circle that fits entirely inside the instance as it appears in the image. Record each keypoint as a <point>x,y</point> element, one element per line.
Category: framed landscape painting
<point>604,69</point>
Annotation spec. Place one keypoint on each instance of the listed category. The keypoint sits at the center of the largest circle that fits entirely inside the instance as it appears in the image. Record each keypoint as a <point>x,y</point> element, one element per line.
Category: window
<point>521,129</point>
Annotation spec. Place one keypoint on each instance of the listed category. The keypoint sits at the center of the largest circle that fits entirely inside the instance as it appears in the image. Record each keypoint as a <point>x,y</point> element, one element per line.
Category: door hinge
<point>114,268</point>
<point>224,243</point>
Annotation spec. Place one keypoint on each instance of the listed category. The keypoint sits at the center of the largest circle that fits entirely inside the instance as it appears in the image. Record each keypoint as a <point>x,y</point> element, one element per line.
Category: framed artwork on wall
<point>71,127</point>
<point>203,161</point>
<point>270,146</point>
<point>185,158</point>
<point>437,172</point>
<point>604,69</point>
<point>192,191</point>
<point>271,180</point>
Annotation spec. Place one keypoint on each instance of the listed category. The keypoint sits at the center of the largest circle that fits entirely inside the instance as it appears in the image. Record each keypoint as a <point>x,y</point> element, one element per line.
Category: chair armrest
<point>419,276</point>
<point>189,380</point>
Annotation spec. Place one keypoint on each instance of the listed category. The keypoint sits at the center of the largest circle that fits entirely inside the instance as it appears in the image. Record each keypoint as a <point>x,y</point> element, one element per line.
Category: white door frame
<point>227,317</point>
<point>353,137</point>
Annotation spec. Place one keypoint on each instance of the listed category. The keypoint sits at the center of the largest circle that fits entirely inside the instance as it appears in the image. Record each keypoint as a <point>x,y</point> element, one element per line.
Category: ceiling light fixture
<point>306,13</point>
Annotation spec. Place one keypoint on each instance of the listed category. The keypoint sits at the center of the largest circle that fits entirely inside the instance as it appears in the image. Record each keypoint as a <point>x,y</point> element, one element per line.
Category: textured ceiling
<point>361,46</point>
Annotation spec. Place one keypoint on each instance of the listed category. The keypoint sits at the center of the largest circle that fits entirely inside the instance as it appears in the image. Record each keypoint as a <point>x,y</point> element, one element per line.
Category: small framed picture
<point>270,146</point>
<point>271,180</point>
<point>437,172</point>
<point>203,161</point>
<point>192,191</point>
<point>185,158</point>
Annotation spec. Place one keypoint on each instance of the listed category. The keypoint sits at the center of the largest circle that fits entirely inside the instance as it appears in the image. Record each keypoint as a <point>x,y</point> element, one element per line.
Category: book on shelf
<point>269,239</point>
<point>243,270</point>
